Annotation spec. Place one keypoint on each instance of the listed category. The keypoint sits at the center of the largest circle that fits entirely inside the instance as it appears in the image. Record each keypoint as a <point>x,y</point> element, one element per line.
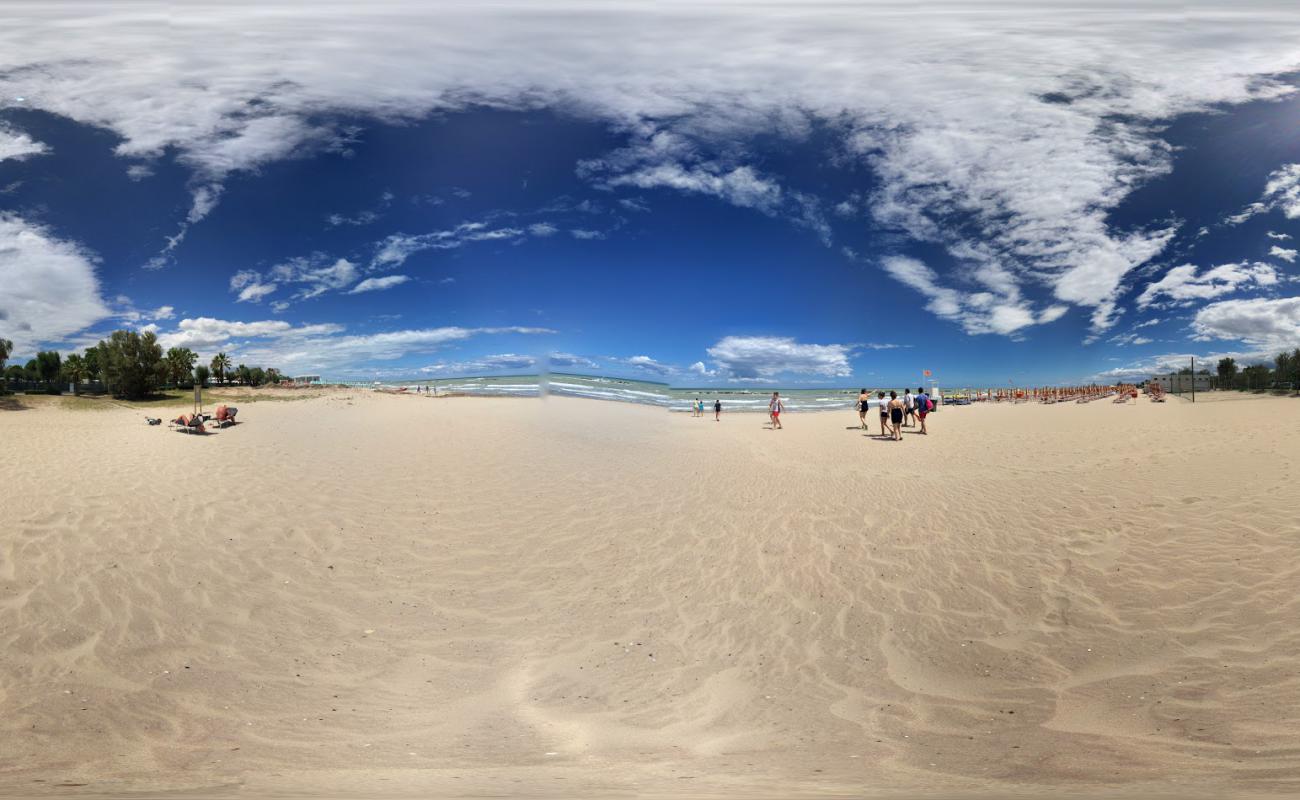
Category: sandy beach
<point>365,594</point>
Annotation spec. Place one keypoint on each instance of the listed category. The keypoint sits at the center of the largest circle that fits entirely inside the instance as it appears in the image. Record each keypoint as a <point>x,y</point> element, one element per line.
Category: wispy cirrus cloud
<point>379,284</point>
<point>321,346</point>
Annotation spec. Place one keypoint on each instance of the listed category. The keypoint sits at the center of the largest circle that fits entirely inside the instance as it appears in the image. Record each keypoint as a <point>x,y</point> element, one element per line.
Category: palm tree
<point>74,369</point>
<point>180,362</point>
<point>220,363</point>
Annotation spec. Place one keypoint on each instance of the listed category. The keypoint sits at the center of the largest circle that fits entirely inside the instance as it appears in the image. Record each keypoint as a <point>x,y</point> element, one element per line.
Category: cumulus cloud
<point>1284,253</point>
<point>1266,323</point>
<point>378,284</point>
<point>1184,283</point>
<point>48,286</point>
<point>1021,127</point>
<point>17,145</point>
<point>765,357</point>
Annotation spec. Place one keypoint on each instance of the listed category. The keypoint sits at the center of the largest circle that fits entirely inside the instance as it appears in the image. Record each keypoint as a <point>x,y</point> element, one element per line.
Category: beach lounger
<point>189,423</point>
<point>225,416</point>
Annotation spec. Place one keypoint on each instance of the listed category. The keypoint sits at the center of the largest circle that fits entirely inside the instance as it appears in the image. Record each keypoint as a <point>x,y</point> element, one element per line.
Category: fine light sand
<point>370,594</point>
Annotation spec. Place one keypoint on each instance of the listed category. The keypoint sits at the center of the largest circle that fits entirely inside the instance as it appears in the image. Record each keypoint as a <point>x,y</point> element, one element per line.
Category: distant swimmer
<point>774,410</point>
<point>864,402</point>
<point>717,410</point>
<point>884,413</point>
<point>895,416</point>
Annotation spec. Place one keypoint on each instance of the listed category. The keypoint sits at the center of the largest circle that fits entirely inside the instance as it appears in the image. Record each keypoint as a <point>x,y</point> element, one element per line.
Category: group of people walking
<point>897,412</point>
<point>697,409</point>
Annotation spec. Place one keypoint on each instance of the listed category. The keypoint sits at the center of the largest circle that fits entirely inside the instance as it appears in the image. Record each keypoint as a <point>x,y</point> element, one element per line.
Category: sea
<point>650,393</point>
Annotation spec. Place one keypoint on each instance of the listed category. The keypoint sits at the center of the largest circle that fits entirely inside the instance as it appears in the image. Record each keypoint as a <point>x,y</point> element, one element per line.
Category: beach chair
<point>225,416</point>
<point>188,423</point>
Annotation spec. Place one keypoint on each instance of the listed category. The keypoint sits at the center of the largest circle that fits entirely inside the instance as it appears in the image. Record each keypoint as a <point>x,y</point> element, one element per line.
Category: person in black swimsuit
<point>864,400</point>
<point>896,415</point>
<point>717,410</point>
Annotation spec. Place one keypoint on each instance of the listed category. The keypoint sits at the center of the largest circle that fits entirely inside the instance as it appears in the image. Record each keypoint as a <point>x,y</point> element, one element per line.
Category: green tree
<point>201,375</point>
<point>1283,372</point>
<point>1257,376</point>
<point>244,373</point>
<point>74,371</point>
<point>180,363</point>
<point>1227,373</point>
<point>48,367</point>
<point>31,371</point>
<point>91,359</point>
<point>6,347</point>
<point>273,375</point>
<point>257,376</point>
<point>132,364</point>
<point>14,373</point>
<point>220,363</point>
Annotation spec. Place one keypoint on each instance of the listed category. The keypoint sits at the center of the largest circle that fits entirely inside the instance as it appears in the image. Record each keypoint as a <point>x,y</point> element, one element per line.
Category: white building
<point>1175,383</point>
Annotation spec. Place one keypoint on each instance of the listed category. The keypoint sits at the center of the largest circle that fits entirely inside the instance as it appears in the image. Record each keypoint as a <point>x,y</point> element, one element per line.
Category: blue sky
<point>696,194</point>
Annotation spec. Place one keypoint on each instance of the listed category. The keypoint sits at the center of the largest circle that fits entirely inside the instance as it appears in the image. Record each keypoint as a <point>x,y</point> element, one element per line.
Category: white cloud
<point>162,312</point>
<point>750,357</point>
<point>493,363</point>
<point>48,287</point>
<point>1265,323</point>
<point>648,364</point>
<point>378,284</point>
<point>394,250</point>
<point>1281,237</point>
<point>277,343</point>
<point>18,145</point>
<point>582,233</point>
<point>1001,311</point>
<point>543,229</point>
<point>1283,190</point>
<point>1286,254</point>
<point>1183,283</point>
<point>315,273</point>
<point>699,369</point>
<point>569,360</point>
<point>254,292</point>
<point>1023,125</point>
<point>1147,324</point>
<point>279,307</point>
